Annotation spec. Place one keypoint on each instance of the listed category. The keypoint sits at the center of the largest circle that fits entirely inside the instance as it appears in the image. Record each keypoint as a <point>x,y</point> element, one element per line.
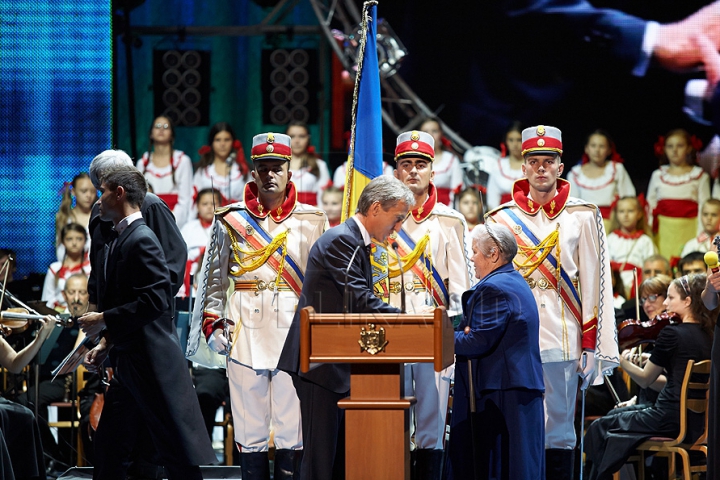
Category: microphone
<point>347,270</point>
<point>711,260</point>
<point>231,158</point>
<point>402,277</point>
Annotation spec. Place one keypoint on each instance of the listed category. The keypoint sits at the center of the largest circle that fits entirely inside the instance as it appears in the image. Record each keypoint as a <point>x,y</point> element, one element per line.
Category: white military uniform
<point>447,253</point>
<point>262,306</point>
<point>582,317</point>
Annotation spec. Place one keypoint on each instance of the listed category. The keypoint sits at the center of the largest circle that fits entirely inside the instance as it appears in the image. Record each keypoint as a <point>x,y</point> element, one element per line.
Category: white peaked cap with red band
<point>415,144</point>
<point>271,146</point>
<point>541,139</point>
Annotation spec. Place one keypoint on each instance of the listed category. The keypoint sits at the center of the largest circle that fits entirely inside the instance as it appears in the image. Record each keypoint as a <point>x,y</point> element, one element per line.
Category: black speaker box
<point>208,473</point>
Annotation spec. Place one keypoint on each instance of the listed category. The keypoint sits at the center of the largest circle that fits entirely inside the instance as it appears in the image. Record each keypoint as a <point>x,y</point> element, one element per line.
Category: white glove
<point>586,368</point>
<point>218,343</point>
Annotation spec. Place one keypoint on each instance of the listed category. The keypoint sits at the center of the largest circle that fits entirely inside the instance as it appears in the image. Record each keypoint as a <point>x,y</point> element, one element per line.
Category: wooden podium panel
<point>333,338</point>
<point>377,433</point>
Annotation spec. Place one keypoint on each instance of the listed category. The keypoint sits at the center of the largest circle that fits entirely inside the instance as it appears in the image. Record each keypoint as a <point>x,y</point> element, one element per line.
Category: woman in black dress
<point>611,439</point>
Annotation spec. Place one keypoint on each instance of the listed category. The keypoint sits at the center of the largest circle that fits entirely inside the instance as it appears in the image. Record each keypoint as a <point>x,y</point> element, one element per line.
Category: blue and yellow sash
<point>548,268</point>
<point>424,269</point>
<point>257,237</point>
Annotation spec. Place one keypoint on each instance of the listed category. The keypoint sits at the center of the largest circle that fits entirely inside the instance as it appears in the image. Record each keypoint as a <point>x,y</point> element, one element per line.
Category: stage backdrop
<point>55,113</point>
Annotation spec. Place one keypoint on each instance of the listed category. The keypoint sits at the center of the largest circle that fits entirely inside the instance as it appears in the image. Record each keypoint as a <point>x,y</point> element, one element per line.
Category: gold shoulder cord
<point>254,259</point>
<point>535,255</point>
<point>409,260</point>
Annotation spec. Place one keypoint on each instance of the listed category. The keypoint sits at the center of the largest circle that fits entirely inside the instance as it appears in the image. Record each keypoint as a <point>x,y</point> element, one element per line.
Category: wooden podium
<point>377,435</point>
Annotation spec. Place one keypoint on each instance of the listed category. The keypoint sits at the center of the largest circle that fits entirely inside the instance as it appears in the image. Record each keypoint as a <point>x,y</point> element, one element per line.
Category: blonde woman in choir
<point>509,168</point>
<point>78,198</point>
<point>676,191</point>
<point>600,178</point>
<point>629,241</point>
<point>449,178</point>
<point>309,173</point>
<point>169,171</point>
<point>222,165</point>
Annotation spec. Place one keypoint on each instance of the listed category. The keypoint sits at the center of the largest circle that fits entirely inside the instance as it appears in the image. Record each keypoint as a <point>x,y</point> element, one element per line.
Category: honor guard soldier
<point>562,255</point>
<point>260,246</point>
<point>433,255</point>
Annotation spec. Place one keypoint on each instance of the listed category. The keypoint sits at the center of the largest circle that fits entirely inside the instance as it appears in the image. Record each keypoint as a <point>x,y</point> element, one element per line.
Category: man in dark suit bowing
<point>382,207</point>
<point>499,334</point>
<point>151,386</point>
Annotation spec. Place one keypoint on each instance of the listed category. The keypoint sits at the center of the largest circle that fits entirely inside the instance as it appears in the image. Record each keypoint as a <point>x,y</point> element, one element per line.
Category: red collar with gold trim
<point>553,208</point>
<point>629,236</point>
<point>253,205</point>
<point>424,210</point>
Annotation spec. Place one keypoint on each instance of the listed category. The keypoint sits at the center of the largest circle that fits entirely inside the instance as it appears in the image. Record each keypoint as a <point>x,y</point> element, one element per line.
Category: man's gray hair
<point>387,190</point>
<point>106,160</point>
<point>491,236</point>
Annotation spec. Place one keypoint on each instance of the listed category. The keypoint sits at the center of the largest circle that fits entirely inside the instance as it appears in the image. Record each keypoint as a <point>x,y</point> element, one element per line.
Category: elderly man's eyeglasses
<point>649,298</point>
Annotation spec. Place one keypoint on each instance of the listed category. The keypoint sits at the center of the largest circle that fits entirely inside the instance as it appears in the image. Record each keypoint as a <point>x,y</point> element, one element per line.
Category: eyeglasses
<point>649,298</point>
<point>164,126</point>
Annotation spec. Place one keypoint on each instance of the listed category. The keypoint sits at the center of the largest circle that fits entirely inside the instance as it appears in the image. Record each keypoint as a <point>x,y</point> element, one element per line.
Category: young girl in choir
<point>471,207</point>
<point>169,171</point>
<point>629,241</point>
<point>309,173</point>
<point>222,164</point>
<point>449,177</point>
<point>74,237</point>
<point>710,220</point>
<point>509,168</point>
<point>675,345</point>
<point>332,204</point>
<point>601,177</point>
<point>82,193</point>
<point>196,233</point>
<point>675,192</point>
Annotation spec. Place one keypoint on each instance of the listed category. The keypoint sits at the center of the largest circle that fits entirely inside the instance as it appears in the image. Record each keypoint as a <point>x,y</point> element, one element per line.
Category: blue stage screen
<point>55,113</point>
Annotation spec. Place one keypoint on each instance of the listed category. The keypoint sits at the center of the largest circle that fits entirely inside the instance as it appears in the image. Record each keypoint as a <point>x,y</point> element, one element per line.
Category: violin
<point>632,333</point>
<point>12,319</point>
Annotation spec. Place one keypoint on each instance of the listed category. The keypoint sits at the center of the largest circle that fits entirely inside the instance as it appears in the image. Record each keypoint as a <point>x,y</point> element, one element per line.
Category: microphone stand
<point>347,270</point>
<point>395,247</point>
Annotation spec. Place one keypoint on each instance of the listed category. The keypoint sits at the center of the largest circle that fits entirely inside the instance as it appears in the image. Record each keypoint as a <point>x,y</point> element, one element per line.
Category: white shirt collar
<point>363,230</point>
<point>125,222</point>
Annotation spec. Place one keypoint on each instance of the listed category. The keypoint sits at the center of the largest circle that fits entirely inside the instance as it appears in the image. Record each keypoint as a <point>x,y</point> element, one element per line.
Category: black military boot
<point>255,466</point>
<point>287,464</point>
<point>559,464</point>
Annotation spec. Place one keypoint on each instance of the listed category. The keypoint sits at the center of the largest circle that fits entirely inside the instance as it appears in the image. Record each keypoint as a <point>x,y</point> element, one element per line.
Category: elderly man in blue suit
<point>497,349</point>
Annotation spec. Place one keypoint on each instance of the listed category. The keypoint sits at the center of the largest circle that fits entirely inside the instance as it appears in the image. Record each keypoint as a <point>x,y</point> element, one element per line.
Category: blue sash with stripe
<point>550,257</point>
<point>266,236</point>
<point>438,281</point>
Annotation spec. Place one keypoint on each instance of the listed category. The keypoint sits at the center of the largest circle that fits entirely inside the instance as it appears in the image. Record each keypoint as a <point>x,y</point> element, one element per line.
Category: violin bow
<point>613,392</point>
<point>6,267</point>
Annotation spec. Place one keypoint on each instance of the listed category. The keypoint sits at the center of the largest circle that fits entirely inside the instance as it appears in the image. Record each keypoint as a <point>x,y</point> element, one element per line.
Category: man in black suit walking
<point>151,385</point>
<point>382,207</point>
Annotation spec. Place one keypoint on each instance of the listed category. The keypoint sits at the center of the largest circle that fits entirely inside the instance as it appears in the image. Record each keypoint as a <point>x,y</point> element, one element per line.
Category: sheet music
<point>74,359</point>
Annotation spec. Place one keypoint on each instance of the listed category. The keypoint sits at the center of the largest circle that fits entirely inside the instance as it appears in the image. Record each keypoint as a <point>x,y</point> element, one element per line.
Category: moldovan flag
<point>365,156</point>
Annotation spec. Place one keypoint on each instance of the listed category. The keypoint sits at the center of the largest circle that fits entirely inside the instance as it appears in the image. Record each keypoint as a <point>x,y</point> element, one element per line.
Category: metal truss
<point>402,109</point>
